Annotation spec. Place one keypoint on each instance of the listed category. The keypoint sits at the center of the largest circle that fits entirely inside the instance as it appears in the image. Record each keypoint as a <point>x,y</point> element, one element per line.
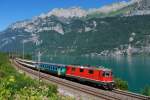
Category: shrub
<point>121,84</point>
<point>146,90</point>
<point>18,86</point>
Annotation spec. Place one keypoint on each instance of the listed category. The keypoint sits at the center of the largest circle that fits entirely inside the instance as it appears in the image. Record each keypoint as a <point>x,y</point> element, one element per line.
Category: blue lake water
<point>134,69</point>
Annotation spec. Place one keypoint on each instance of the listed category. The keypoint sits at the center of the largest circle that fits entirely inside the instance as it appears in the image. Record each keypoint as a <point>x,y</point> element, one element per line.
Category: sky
<point>16,10</point>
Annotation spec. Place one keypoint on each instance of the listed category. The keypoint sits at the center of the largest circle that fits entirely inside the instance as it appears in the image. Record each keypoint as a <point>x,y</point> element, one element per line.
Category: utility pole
<point>39,57</point>
<point>39,60</point>
<point>23,49</point>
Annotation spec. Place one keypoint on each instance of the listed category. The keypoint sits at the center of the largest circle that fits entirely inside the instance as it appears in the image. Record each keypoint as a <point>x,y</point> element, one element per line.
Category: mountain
<point>136,7</point>
<point>54,19</point>
<point>80,32</point>
<point>97,36</point>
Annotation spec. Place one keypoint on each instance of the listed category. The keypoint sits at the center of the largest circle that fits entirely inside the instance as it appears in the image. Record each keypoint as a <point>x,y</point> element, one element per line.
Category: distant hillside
<point>95,36</point>
<point>140,7</point>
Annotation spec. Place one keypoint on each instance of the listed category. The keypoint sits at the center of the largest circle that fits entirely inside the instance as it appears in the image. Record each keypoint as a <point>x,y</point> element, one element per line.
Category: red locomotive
<point>99,76</point>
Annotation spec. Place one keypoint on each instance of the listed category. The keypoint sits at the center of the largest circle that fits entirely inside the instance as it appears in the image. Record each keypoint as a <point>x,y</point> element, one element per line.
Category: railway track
<point>106,95</point>
<point>141,97</point>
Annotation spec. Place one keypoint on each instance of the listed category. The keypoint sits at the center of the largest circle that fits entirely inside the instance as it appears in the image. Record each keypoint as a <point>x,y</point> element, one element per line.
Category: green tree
<point>121,84</point>
<point>146,90</point>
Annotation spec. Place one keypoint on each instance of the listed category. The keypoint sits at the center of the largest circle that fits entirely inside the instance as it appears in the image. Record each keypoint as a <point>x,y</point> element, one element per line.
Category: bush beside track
<point>17,86</point>
<point>121,84</point>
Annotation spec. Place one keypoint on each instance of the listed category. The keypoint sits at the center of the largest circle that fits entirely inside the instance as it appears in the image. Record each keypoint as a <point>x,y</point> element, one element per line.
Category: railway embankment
<point>16,85</point>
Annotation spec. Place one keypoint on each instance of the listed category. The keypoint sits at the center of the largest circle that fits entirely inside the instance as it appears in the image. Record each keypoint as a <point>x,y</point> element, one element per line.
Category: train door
<point>73,70</point>
<point>59,71</point>
<point>90,73</point>
<point>81,72</point>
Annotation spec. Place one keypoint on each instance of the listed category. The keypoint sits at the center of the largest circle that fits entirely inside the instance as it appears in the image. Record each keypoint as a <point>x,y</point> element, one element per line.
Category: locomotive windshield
<point>107,73</point>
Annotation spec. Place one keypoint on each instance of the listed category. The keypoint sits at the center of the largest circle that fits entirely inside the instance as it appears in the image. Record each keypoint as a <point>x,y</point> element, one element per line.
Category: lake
<point>134,69</point>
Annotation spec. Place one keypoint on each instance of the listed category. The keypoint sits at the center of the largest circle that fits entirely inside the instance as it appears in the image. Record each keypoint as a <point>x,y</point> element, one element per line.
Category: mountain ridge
<point>122,8</point>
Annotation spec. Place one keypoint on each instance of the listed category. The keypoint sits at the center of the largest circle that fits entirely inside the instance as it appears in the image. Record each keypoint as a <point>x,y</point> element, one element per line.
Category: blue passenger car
<point>56,69</point>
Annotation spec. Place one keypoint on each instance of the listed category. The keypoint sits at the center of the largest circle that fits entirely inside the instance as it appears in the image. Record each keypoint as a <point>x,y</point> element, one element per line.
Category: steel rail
<point>130,94</point>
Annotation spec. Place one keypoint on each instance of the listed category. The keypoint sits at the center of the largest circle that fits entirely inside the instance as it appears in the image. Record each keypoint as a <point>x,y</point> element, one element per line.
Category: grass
<point>18,86</point>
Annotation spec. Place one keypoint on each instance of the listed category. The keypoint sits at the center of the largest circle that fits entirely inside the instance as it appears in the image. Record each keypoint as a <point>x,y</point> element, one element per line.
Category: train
<point>101,77</point>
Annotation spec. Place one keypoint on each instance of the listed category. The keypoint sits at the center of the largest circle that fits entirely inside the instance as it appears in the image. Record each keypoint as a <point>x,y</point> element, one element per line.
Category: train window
<point>106,74</point>
<point>81,70</point>
<point>90,71</point>
<point>73,69</point>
